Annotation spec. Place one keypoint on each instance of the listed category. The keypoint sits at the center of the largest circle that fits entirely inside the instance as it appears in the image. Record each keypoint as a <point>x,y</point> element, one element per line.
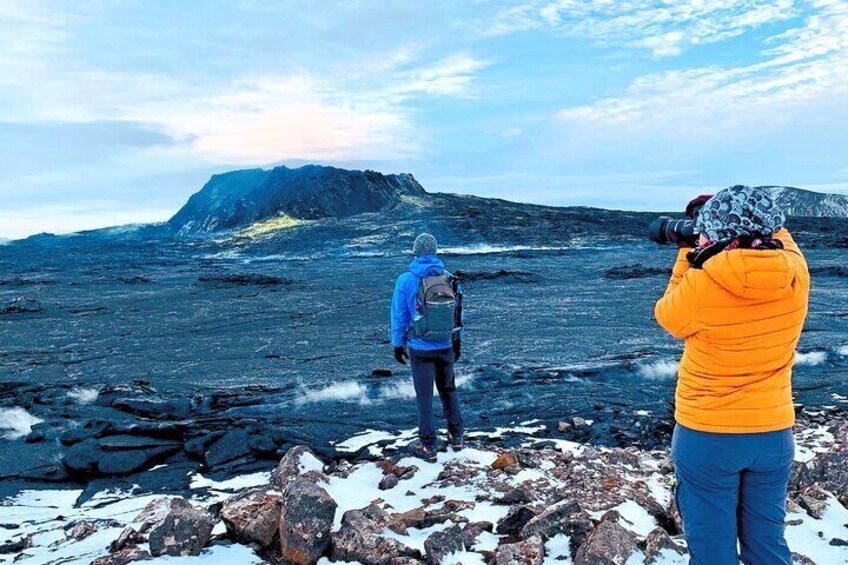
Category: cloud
<point>664,28</point>
<point>802,77</point>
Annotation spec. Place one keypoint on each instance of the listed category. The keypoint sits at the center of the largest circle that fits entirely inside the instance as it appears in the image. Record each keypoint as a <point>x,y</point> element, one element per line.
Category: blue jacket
<point>405,301</point>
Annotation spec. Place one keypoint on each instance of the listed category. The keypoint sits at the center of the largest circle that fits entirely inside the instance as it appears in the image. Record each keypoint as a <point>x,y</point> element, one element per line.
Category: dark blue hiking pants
<point>428,368</point>
<point>733,487</point>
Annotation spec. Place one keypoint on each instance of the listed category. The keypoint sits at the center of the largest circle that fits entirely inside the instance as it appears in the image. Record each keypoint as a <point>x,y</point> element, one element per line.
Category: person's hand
<point>400,355</point>
<point>457,349</point>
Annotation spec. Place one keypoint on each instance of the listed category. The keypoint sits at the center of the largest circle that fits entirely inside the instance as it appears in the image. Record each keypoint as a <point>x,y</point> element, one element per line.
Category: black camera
<point>684,233</point>
<point>665,230</point>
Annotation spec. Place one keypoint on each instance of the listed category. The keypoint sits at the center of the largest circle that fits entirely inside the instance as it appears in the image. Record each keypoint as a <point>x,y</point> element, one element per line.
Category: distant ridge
<point>800,202</point>
<point>239,198</point>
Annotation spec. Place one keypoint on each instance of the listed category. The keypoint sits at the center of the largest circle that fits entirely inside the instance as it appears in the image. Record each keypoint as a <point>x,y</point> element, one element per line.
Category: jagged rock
<point>472,531</point>
<point>83,457</point>
<point>123,557</point>
<point>527,552</point>
<point>306,520</point>
<point>232,446</point>
<point>518,495</point>
<point>22,305</point>
<point>297,461</point>
<point>505,460</point>
<point>515,520</point>
<point>153,514</point>
<point>564,517</point>
<point>127,462</point>
<point>608,544</point>
<point>262,443</point>
<point>829,470</point>
<point>81,530</point>
<point>128,538</point>
<point>814,500</point>
<point>184,531</point>
<point>799,559</point>
<point>388,482</point>
<point>441,544</point>
<point>657,541</point>
<point>413,518</point>
<point>196,447</point>
<point>252,516</point>
<point>360,538</point>
<point>156,408</point>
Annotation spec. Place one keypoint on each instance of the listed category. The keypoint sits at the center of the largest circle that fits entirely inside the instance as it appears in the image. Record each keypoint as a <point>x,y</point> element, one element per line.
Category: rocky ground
<point>542,501</point>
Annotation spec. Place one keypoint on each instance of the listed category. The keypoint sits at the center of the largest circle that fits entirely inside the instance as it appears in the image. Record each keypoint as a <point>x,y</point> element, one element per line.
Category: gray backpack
<point>435,316</point>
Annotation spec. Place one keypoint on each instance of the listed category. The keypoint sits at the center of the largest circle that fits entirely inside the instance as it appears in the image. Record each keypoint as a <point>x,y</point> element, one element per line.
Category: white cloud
<point>803,77</point>
<point>665,28</point>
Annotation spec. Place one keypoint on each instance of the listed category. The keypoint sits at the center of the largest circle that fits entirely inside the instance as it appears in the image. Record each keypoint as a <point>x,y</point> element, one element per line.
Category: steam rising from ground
<point>810,358</point>
<point>659,369</point>
<point>16,422</point>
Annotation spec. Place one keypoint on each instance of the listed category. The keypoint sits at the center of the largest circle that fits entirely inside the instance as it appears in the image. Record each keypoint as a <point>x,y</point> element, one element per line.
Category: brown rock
<point>360,538</point>
<point>388,482</point>
<point>657,541</point>
<point>123,557</point>
<point>564,517</point>
<point>306,519</point>
<point>608,544</point>
<point>441,544</point>
<point>82,530</point>
<point>299,460</point>
<point>515,520</point>
<point>184,531</point>
<point>252,516</point>
<point>504,460</point>
<point>528,552</point>
<point>153,514</point>
<point>472,530</point>
<point>128,538</point>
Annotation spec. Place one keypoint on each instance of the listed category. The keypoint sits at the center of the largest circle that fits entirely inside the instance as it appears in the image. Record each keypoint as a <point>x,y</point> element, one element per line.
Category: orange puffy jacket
<point>741,317</point>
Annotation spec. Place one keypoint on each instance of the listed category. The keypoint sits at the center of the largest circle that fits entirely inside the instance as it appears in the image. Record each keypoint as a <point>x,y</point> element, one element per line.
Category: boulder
<point>123,557</point>
<point>252,516</point>
<point>153,514</point>
<point>125,462</point>
<point>184,531</point>
<point>361,538</point>
<point>441,544</point>
<point>82,458</point>
<point>608,544</point>
<point>814,500</point>
<point>297,461</point>
<point>504,460</point>
<point>306,519</point>
<point>527,552</point>
<point>829,470</point>
<point>388,482</point>
<point>81,530</point>
<point>658,542</point>
<point>472,530</point>
<point>564,517</point>
<point>516,518</point>
<point>230,447</point>
<point>128,538</point>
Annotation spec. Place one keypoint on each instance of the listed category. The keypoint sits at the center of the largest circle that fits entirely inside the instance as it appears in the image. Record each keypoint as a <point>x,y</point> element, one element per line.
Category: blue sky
<point>116,111</point>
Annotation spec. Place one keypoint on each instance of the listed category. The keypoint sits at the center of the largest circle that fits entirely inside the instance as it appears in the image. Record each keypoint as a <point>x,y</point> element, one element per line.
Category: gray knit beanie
<point>425,244</point>
<point>740,210</point>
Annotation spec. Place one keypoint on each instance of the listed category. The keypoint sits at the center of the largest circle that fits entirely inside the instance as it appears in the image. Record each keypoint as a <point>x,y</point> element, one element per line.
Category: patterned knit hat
<point>425,244</point>
<point>740,210</point>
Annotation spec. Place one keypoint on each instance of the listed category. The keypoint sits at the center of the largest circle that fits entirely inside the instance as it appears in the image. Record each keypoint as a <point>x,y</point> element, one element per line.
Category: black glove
<point>457,349</point>
<point>401,355</point>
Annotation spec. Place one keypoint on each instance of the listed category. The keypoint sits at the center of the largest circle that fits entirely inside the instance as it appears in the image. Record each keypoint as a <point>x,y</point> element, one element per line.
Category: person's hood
<point>753,273</point>
<point>426,266</point>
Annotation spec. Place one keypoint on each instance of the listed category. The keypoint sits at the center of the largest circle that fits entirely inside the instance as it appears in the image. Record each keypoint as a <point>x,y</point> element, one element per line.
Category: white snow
<point>636,518</point>
<point>215,555</point>
<point>198,481</point>
<point>811,358</point>
<point>811,441</point>
<point>557,550</point>
<point>17,422</point>
<point>84,395</point>
<point>659,369</point>
<point>309,462</point>
<point>812,537</point>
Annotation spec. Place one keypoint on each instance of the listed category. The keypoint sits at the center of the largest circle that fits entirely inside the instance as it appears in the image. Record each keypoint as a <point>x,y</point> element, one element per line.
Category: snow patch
<point>812,441</point>
<point>309,462</point>
<point>557,550</point>
<point>198,481</point>
<point>84,395</point>
<point>215,555</point>
<point>811,358</point>
<point>16,422</point>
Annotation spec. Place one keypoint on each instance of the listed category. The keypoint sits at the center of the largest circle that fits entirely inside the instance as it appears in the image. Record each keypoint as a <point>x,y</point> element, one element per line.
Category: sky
<point>114,112</point>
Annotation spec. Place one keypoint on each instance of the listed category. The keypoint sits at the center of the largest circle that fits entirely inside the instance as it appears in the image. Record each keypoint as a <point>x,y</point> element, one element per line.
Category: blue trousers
<point>428,368</point>
<point>733,487</point>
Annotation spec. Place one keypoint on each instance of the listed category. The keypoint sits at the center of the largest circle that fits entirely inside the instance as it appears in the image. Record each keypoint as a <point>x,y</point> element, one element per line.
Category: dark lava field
<point>134,347</point>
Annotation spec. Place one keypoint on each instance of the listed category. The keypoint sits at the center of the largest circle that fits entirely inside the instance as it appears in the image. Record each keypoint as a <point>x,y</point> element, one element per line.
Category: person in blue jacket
<point>432,361</point>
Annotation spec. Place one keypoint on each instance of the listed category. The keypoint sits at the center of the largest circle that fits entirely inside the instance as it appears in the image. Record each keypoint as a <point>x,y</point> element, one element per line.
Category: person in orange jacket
<point>738,300</point>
